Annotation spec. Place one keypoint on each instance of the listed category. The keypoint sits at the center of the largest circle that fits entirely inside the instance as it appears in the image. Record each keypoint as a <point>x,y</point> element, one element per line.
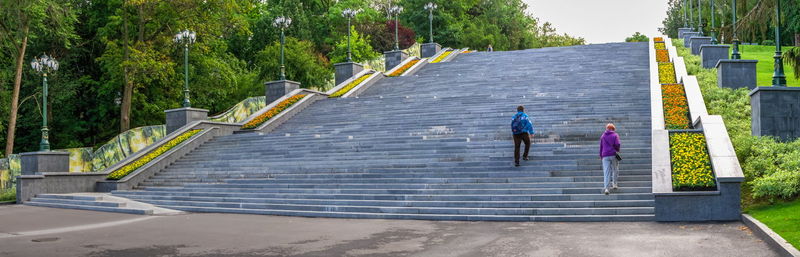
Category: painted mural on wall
<point>242,110</point>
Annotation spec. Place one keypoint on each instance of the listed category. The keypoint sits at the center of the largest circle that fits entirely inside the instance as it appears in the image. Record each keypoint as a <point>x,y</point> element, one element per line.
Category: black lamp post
<point>349,14</point>
<point>283,23</point>
<point>778,79</point>
<point>430,7</point>
<point>44,65</point>
<point>735,52</point>
<point>186,38</point>
<point>713,23</point>
<point>691,12</point>
<point>699,17</point>
<point>395,11</point>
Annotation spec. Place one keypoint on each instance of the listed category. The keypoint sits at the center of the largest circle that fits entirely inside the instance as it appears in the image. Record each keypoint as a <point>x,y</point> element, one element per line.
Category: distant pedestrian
<point>609,154</point>
<point>489,48</point>
<point>522,128</point>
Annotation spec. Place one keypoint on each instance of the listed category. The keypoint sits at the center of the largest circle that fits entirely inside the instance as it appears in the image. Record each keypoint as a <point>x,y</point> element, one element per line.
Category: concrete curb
<point>775,241</point>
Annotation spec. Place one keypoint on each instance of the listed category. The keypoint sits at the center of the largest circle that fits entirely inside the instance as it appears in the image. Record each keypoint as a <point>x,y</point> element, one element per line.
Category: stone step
<point>90,207</point>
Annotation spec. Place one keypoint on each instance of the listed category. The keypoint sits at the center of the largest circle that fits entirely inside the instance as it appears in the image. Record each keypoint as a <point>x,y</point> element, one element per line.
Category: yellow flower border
<point>350,86</point>
<point>264,117</point>
<point>131,167</point>
<point>439,59</point>
<point>403,69</point>
<point>691,163</point>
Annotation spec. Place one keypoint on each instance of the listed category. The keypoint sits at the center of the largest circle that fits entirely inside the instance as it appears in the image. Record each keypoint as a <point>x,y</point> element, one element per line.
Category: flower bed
<point>350,86</point>
<point>662,56</point>
<point>130,167</point>
<point>661,46</point>
<point>691,164</point>
<point>264,117</point>
<point>666,73</point>
<point>441,57</point>
<point>403,69</point>
<point>676,107</point>
<point>658,39</point>
<point>467,51</point>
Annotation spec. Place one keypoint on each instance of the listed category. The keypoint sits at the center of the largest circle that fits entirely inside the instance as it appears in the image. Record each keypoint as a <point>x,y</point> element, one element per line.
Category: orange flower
<point>658,39</point>
<point>676,107</point>
<point>403,69</point>
<point>264,117</point>
<point>662,56</point>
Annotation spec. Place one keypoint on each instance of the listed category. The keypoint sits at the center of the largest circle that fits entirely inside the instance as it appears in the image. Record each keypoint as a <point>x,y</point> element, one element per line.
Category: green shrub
<point>784,184</point>
<point>7,195</point>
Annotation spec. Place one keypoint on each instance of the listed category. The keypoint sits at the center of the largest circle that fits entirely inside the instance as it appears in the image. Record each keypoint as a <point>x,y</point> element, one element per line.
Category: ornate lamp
<point>282,23</point>
<point>44,65</point>
<point>186,38</point>
<point>430,7</point>
<point>349,14</point>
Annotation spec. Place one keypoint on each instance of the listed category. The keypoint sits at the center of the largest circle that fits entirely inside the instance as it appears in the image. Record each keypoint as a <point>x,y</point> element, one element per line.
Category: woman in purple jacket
<point>609,147</point>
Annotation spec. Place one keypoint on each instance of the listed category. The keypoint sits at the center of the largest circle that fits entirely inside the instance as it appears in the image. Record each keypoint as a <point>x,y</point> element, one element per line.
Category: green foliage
<point>360,48</point>
<point>7,195</point>
<point>637,37</point>
<point>303,63</point>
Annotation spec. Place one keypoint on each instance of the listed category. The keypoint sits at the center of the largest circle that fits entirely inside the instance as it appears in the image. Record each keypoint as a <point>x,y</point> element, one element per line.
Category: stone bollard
<point>687,36</point>
<point>177,118</point>
<point>696,42</point>
<point>684,30</point>
<point>393,58</point>
<point>736,73</point>
<point>429,49</point>
<point>279,88</point>
<point>345,71</point>
<point>711,54</point>
<point>776,112</point>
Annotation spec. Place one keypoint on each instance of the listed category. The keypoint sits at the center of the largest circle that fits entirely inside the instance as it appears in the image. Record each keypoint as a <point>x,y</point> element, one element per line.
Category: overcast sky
<point>601,21</point>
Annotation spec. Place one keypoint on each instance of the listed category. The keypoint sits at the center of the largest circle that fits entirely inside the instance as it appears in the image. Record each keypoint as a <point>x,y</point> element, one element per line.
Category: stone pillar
<point>429,49</point>
<point>736,73</point>
<point>279,88</point>
<point>776,112</point>
<point>346,70</point>
<point>35,163</point>
<point>177,118</point>
<point>687,36</point>
<point>683,30</point>
<point>711,54</point>
<point>696,42</point>
<point>393,58</point>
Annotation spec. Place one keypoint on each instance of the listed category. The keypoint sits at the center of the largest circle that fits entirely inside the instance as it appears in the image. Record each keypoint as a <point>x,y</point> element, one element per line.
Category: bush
<point>768,42</point>
<point>637,37</point>
<point>7,195</point>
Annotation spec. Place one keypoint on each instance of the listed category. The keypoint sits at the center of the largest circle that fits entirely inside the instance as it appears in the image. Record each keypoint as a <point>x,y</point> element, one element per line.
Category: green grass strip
<point>783,218</point>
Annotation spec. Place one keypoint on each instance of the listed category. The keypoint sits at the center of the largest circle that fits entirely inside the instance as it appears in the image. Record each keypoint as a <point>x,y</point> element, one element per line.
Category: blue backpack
<point>518,124</point>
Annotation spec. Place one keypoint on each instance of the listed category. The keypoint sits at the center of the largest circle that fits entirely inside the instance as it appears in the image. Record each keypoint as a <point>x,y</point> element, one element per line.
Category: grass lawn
<point>783,218</point>
<point>766,63</point>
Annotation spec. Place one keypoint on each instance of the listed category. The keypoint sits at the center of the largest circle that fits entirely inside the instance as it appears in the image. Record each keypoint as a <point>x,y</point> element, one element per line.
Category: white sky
<point>601,21</point>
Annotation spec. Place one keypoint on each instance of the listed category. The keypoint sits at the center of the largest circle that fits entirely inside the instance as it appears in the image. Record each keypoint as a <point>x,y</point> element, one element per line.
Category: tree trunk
<point>127,88</point>
<point>12,117</point>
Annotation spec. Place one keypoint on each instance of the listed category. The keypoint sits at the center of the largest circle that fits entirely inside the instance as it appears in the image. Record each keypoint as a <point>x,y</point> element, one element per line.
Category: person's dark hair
<point>520,108</point>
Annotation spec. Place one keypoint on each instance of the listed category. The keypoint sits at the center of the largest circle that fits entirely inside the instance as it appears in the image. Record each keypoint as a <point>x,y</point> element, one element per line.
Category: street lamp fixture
<point>186,38</point>
<point>735,52</point>
<point>778,79</point>
<point>282,23</point>
<point>395,11</point>
<point>699,17</point>
<point>349,14</point>
<point>430,7</point>
<point>712,28</point>
<point>44,65</point>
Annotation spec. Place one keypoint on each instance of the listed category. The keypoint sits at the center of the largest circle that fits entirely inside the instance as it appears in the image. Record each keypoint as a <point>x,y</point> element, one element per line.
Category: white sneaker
<point>606,191</point>
<point>615,186</point>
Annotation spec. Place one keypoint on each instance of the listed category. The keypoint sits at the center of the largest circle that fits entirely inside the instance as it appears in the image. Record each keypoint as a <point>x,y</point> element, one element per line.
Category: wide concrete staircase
<point>437,146</point>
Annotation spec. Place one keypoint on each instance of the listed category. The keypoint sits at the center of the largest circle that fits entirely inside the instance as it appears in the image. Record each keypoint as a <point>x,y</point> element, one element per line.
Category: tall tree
<point>21,21</point>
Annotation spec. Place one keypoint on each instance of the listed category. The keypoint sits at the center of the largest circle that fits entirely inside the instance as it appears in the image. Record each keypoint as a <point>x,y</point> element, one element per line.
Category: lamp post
<point>683,6</point>
<point>349,14</point>
<point>283,23</point>
<point>186,38</point>
<point>713,23</point>
<point>778,79</point>
<point>44,65</point>
<point>430,7</point>
<point>691,12</point>
<point>395,11</point>
<point>699,17</point>
<point>735,52</point>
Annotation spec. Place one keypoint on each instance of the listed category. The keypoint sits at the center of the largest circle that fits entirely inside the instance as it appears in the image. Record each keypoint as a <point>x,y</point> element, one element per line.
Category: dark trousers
<point>518,138</point>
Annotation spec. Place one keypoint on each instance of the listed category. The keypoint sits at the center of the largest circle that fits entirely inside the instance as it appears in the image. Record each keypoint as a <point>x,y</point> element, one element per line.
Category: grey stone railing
<point>441,52</point>
<point>374,77</point>
<point>404,62</point>
<point>720,204</point>
<point>311,97</point>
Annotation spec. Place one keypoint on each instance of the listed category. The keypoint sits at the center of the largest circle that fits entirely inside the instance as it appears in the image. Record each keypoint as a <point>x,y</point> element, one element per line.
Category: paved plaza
<point>36,231</point>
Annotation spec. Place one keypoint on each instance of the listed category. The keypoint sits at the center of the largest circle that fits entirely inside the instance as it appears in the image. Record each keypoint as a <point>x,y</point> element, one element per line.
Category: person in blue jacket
<point>522,128</point>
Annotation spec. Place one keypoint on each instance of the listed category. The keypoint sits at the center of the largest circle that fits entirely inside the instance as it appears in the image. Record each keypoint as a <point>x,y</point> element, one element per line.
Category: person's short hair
<point>610,126</point>
<point>520,108</point>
